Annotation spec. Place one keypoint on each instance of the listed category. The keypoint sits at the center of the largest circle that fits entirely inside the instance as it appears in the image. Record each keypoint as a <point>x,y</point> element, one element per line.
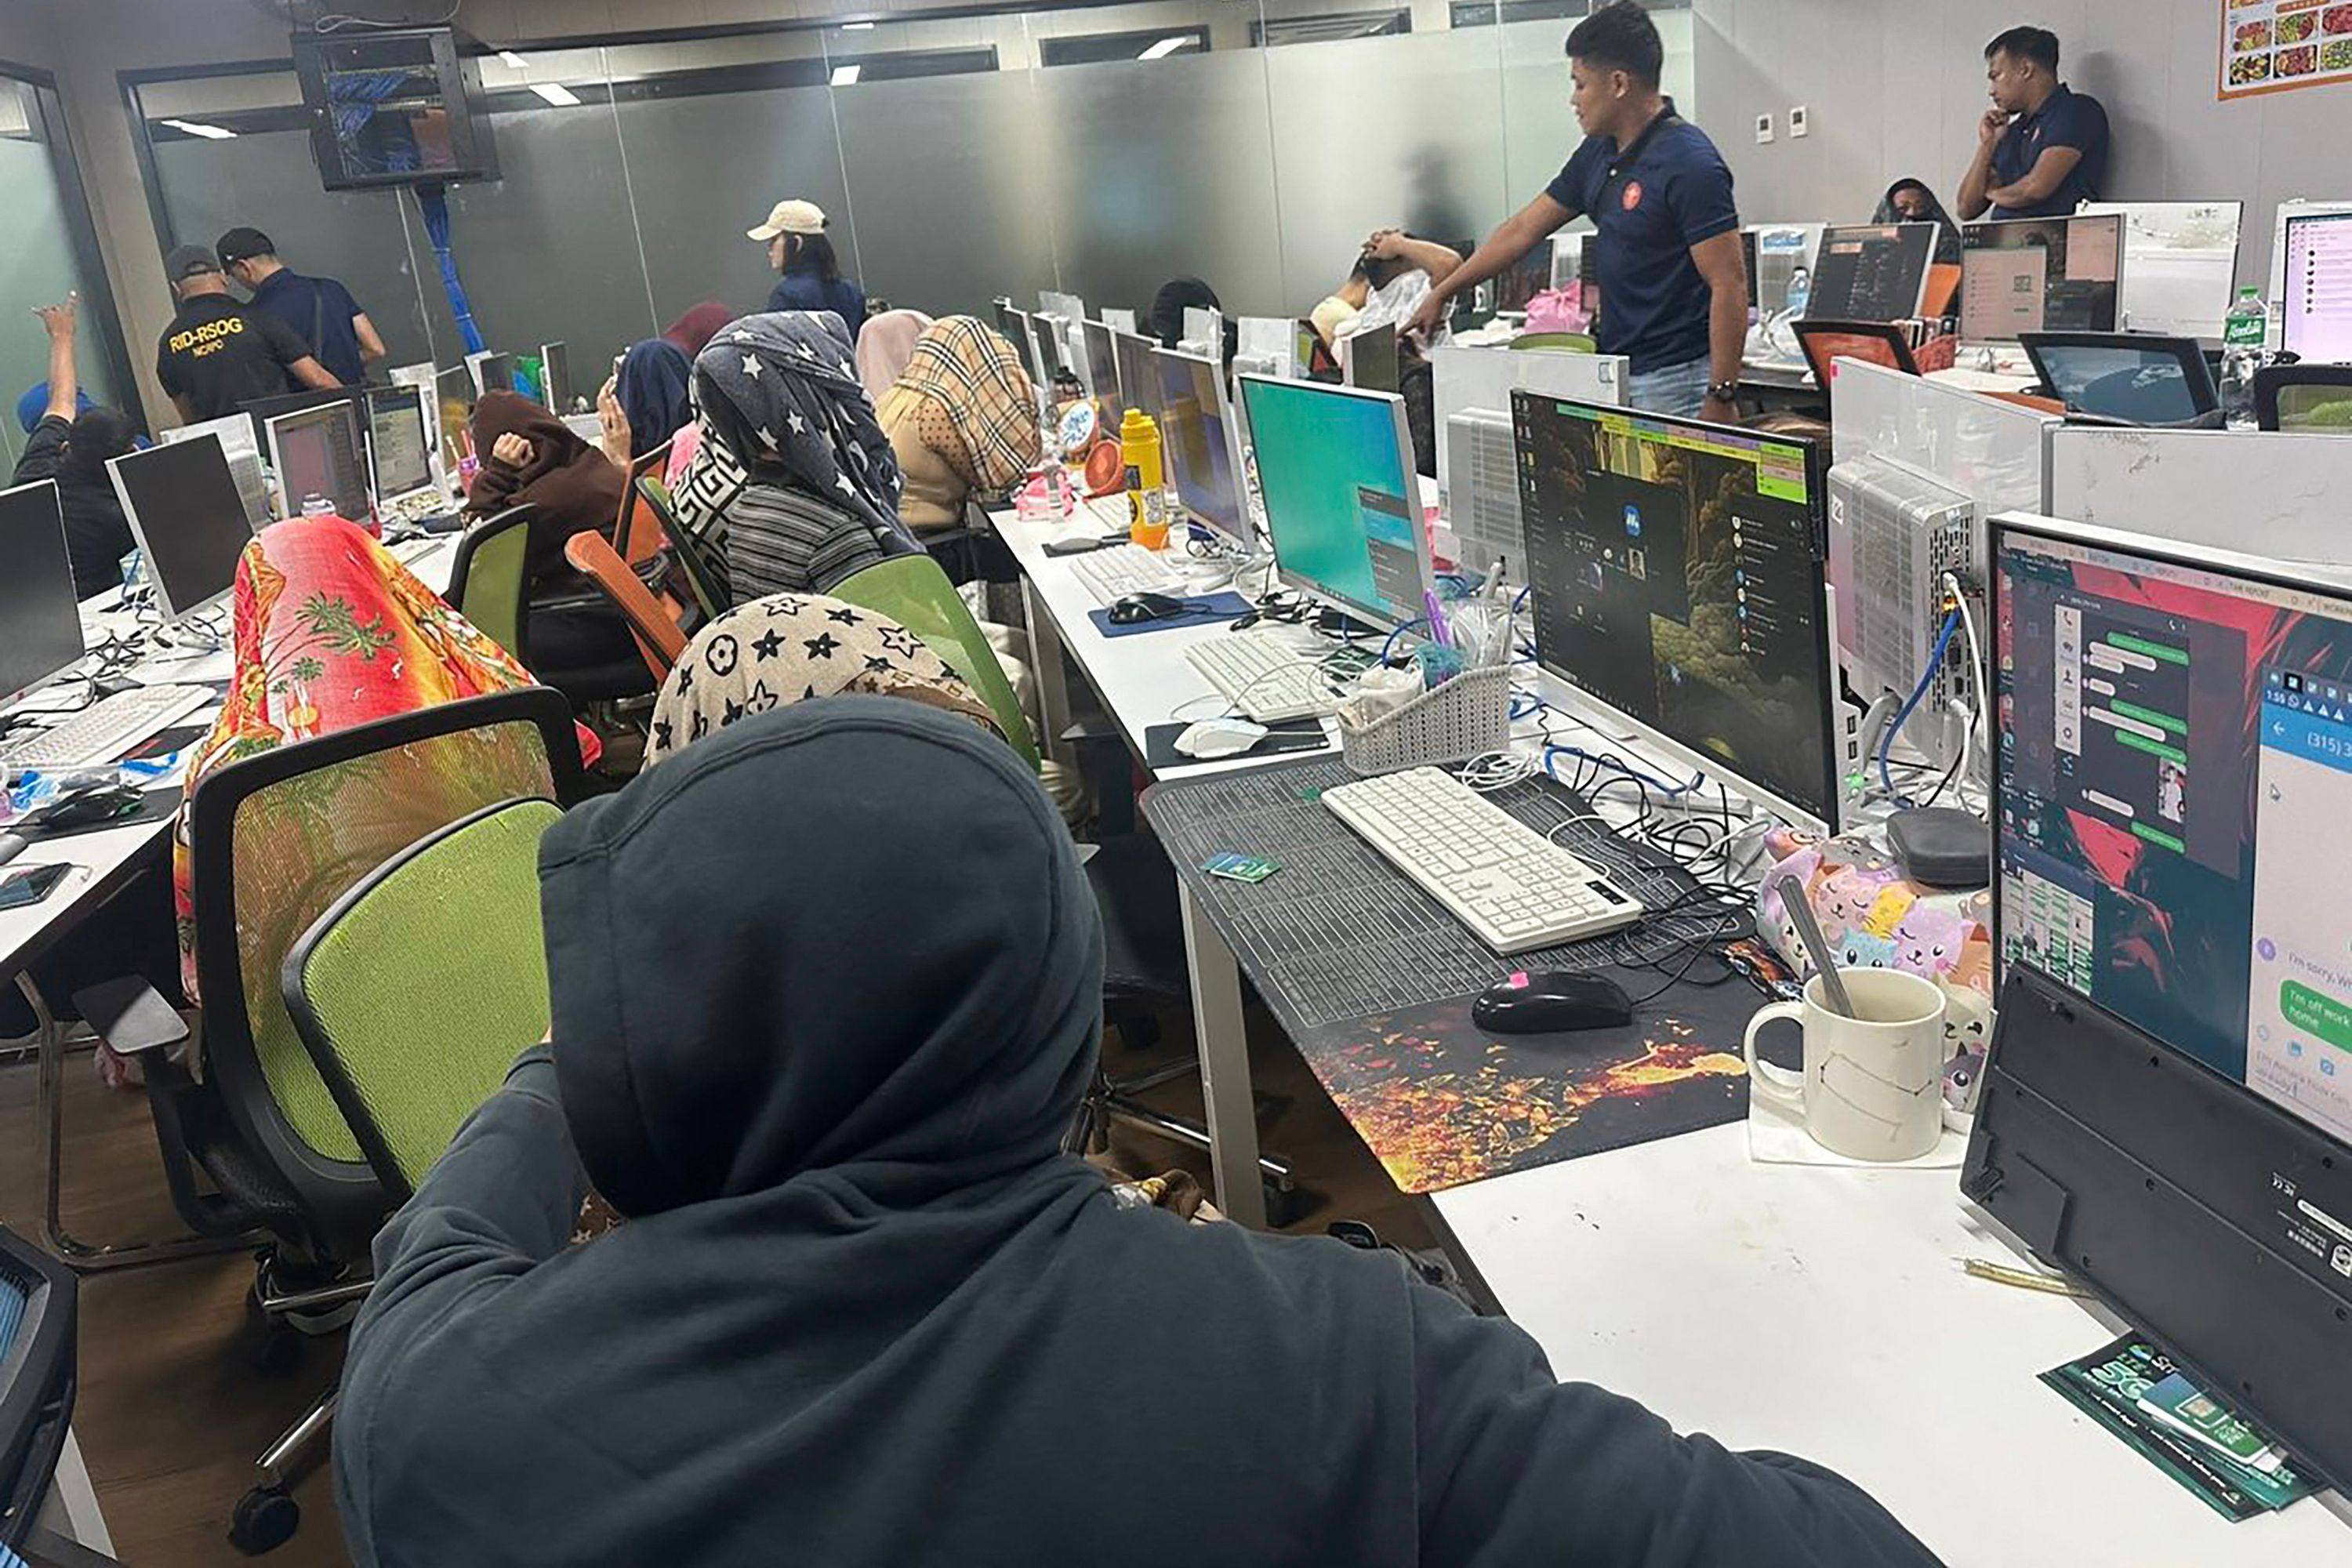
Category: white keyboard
<point>1511,885</point>
<point>1111,575</point>
<point>105,730</point>
<point>1112,511</point>
<point>1263,676</point>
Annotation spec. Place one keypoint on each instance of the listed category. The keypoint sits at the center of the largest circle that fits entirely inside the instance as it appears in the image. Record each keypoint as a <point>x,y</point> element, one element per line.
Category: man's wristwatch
<point>1725,392</point>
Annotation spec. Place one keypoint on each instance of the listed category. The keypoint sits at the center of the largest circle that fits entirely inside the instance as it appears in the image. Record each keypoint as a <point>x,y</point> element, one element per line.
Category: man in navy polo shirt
<point>1673,288</point>
<point>2041,148</point>
<point>320,309</point>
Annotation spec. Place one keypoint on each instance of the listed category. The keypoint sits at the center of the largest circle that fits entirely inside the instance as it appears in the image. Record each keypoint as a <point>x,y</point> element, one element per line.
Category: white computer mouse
<point>1213,738</point>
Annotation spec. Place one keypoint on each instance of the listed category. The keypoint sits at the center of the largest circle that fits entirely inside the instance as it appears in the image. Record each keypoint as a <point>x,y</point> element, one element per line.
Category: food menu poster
<point>2270,46</point>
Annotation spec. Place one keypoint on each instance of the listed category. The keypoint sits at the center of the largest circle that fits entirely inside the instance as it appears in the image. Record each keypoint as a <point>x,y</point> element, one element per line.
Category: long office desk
<point>103,862</point>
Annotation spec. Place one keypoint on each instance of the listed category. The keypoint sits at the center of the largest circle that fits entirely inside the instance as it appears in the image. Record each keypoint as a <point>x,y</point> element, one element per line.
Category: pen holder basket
<point>1465,718</point>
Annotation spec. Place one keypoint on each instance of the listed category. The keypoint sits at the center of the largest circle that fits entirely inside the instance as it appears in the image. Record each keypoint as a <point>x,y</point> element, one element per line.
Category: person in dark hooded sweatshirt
<point>864,1311</point>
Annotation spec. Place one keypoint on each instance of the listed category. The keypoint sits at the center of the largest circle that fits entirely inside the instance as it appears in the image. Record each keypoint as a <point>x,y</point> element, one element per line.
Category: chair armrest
<point>131,1016</point>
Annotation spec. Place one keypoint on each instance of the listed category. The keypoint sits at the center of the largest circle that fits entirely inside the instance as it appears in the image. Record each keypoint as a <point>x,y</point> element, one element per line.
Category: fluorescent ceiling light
<point>1163,49</point>
<point>857,27</point>
<point>512,60</point>
<point>198,128</point>
<point>556,93</point>
<point>846,76</point>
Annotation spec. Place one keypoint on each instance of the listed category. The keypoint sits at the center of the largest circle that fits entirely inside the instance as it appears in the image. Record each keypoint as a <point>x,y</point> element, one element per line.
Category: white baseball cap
<point>789,217</point>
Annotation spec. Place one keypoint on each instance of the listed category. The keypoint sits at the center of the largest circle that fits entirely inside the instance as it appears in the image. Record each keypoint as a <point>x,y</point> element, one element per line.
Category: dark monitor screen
<point>1102,363</point>
<point>2175,773</point>
<point>398,449</point>
<point>1373,359</point>
<point>1197,442</point>
<point>186,511</point>
<point>1017,328</point>
<point>1138,372</point>
<point>2127,377</point>
<point>40,624</point>
<point>1876,272</point>
<point>322,455</point>
<point>492,372</point>
<point>1677,577</point>
<point>555,376</point>
<point>2036,274</point>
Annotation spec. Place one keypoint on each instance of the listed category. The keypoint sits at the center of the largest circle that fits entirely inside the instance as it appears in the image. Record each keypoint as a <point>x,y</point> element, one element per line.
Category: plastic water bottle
<point>2244,332</point>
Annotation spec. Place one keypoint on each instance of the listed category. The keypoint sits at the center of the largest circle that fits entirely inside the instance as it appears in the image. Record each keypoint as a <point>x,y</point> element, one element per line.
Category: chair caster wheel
<point>264,1519</point>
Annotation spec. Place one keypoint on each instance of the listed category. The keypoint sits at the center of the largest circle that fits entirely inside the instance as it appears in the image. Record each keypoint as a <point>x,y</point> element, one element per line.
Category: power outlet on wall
<point>1800,121</point>
<point>1763,129</point>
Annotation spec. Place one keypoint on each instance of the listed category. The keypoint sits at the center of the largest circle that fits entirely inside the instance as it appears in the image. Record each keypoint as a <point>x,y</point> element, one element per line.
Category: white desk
<point>103,861</point>
<point>1822,1311</point>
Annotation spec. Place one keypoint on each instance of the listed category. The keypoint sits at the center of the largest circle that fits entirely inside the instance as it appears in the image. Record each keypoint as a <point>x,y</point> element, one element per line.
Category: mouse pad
<point>1441,1102</point>
<point>1291,735</point>
<point>1205,611</point>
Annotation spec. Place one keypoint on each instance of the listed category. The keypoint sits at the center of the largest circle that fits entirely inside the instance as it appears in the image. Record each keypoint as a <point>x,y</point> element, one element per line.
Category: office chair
<point>410,1031</point>
<point>275,840</point>
<point>486,577</point>
<point>638,530</point>
<point>36,1381</point>
<point>697,562</point>
<point>914,591</point>
<point>659,637</point>
<point>2309,397</point>
<point>1571,342</point>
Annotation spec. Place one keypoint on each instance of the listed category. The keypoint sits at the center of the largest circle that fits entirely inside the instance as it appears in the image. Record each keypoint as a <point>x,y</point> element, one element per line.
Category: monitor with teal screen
<point>1342,501</point>
<point>1196,442</point>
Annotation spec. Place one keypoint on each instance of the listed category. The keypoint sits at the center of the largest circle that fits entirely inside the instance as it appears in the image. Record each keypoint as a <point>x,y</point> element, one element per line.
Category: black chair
<point>2309,397</point>
<point>275,840</point>
<point>972,552</point>
<point>37,1382</point>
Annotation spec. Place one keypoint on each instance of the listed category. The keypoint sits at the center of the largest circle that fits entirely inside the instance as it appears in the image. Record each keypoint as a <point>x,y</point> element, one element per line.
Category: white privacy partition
<point>2273,494</point>
<point>1463,378</point>
<point>1993,451</point>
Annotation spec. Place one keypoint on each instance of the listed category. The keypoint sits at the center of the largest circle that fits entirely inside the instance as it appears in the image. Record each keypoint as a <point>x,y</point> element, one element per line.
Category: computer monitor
<point>1781,275</point>
<point>2036,274</point>
<point>453,394</point>
<point>491,371</point>
<point>1016,327</point>
<point>1881,343</point>
<point>40,624</point>
<point>1372,358</point>
<point>555,376</point>
<point>2127,378</point>
<point>1139,372</point>
<point>1102,371</point>
<point>321,454</point>
<point>2319,319</point>
<point>183,510</point>
<point>1676,568</point>
<point>1342,501</point>
<point>241,444</point>
<point>1196,440</point>
<point>1873,272</point>
<point>399,450</point>
<point>260,411</point>
<point>2180,265</point>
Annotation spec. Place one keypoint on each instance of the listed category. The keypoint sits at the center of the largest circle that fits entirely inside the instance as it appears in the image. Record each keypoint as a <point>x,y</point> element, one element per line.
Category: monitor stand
<point>1339,623</point>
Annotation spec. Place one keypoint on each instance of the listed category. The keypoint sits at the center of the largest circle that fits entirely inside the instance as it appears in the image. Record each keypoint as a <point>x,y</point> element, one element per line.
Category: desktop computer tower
<point>1483,505</point>
<point>1892,536</point>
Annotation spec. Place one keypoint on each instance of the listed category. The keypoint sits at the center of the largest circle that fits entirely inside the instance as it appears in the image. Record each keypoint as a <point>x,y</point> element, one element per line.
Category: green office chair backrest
<point>412,1023</point>
<point>1567,343</point>
<point>914,591</point>
<point>487,577</point>
<point>704,575</point>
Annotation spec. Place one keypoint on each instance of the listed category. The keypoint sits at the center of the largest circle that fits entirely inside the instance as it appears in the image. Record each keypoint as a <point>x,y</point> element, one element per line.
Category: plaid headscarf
<point>966,371</point>
<point>781,391</point>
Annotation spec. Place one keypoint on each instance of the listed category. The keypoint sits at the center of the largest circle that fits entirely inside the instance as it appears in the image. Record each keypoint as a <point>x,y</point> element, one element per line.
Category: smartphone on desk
<point>30,886</point>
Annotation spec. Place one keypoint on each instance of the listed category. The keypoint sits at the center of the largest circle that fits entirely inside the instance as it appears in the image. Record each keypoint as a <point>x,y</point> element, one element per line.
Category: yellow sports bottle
<point>1147,497</point>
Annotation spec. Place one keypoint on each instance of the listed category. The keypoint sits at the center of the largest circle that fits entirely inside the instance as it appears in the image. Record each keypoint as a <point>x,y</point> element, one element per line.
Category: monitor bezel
<point>2301,222</point>
<point>73,612</point>
<point>173,609</point>
<point>2122,270</point>
<point>416,401</point>
<point>1906,361</point>
<point>1585,705</point>
<point>1376,614</point>
<point>548,354</point>
<point>1228,413</point>
<point>1874,230</point>
<point>288,507</point>
<point>2183,352</point>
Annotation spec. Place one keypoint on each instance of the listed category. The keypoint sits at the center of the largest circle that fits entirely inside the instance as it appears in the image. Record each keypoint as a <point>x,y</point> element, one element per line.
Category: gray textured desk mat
<point>1338,934</point>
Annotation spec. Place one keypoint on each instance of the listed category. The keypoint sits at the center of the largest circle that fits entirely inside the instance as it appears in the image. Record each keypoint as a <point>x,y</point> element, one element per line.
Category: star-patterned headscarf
<point>781,390</point>
<point>788,647</point>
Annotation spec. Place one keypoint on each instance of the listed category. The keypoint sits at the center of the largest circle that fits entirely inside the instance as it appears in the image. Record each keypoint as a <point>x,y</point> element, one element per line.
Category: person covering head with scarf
<point>530,457</point>
<point>692,332</point>
<point>1910,201</point>
<point>817,498</point>
<point>654,385</point>
<point>962,419</point>
<point>826,990</point>
<point>885,344</point>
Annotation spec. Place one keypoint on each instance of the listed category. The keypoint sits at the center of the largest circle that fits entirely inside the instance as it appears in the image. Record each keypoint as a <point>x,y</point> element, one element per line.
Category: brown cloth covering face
<point>575,487</point>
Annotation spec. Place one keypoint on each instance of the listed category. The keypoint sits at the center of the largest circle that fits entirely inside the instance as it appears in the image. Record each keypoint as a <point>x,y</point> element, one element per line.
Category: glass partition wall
<point>1096,150</point>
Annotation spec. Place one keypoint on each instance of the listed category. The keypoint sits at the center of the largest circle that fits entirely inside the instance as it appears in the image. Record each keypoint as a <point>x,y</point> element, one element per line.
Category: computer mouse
<point>1552,1002</point>
<point>1213,738</point>
<point>1137,607</point>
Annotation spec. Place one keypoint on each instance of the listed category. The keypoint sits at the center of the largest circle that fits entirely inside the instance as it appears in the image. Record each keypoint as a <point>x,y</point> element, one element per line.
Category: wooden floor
<point>169,1418</point>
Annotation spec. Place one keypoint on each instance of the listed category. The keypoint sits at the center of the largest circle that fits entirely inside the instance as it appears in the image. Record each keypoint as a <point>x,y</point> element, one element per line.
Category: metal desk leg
<point>49,1117</point>
<point>1053,680</point>
<point>1223,1038</point>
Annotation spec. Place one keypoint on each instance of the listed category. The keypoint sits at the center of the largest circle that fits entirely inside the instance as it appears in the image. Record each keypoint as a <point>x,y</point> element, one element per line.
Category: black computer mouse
<point>1554,1002</point>
<point>1137,607</point>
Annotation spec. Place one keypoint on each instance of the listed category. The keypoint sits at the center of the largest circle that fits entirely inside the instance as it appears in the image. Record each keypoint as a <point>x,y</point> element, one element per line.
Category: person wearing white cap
<point>798,249</point>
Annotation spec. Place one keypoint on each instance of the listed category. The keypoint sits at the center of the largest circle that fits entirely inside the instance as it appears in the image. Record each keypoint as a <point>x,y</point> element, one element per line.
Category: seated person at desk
<point>886,347</point>
<point>963,418</point>
<point>72,444</point>
<point>806,486</point>
<point>218,355</point>
<point>2041,148</point>
<point>1391,275</point>
<point>531,457</point>
<point>864,1302</point>
<point>1165,321</point>
<point>1910,201</point>
<point>645,402</point>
